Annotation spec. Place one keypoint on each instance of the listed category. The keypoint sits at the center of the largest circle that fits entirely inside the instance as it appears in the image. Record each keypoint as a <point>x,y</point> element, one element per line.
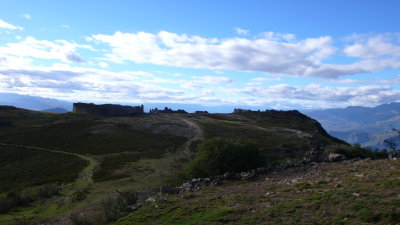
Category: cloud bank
<point>277,54</point>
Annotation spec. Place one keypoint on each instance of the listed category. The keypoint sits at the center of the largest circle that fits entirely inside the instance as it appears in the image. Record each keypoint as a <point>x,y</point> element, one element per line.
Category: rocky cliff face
<point>107,109</point>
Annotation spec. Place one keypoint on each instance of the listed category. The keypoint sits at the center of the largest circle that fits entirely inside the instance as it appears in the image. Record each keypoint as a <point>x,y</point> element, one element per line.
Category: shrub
<point>116,207</point>
<point>217,156</point>
<point>79,220</point>
<point>355,151</point>
<point>48,190</point>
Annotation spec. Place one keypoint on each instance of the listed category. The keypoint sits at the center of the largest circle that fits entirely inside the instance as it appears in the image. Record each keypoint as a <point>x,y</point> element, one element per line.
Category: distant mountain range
<point>368,126</point>
<point>56,110</point>
<point>33,102</point>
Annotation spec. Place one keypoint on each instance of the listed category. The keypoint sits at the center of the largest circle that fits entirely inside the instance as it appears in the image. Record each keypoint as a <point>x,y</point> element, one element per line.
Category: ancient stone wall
<point>107,109</point>
<point>166,110</point>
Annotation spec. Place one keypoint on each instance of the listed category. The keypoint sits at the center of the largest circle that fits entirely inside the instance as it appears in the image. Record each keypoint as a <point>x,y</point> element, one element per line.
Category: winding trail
<point>85,175</point>
<point>198,133</point>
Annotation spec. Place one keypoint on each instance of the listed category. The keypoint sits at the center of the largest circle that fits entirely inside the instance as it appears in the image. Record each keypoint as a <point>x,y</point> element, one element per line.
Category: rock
<point>228,175</point>
<point>356,159</point>
<point>168,189</point>
<point>247,175</point>
<point>237,176</point>
<point>333,157</point>
<point>296,180</point>
<point>132,208</point>
<point>311,156</point>
<point>151,200</point>
<point>262,170</point>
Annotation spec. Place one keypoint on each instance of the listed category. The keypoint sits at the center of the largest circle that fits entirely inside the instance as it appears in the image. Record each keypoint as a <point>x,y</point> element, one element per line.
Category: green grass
<point>275,144</point>
<point>317,200</point>
<point>77,136</point>
<point>21,167</point>
<point>187,215</point>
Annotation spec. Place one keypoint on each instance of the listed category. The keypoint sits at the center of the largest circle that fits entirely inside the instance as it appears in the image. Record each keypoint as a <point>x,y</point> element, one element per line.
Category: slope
<point>348,192</point>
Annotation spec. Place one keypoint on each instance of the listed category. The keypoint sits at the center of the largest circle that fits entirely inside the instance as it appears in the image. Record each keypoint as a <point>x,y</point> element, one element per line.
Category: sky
<point>269,54</point>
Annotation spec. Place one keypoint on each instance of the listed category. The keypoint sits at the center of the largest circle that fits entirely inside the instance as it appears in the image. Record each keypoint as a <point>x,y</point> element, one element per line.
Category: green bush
<point>355,151</point>
<point>114,208</point>
<point>217,156</point>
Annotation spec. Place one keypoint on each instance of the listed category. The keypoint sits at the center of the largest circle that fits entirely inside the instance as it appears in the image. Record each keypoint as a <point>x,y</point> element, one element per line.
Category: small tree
<point>217,156</point>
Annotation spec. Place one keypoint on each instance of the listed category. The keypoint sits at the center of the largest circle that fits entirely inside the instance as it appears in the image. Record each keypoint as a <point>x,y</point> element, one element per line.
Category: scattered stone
<point>296,180</point>
<point>262,170</point>
<point>311,156</point>
<point>356,194</point>
<point>247,175</point>
<point>168,189</point>
<point>333,157</point>
<point>132,208</point>
<point>151,200</point>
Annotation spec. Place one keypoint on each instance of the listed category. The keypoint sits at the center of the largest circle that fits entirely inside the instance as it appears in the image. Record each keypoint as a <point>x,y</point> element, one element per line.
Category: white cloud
<point>273,53</point>
<point>74,83</point>
<point>274,36</point>
<point>241,31</point>
<point>43,49</point>
<point>212,80</point>
<point>373,47</point>
<point>362,95</point>
<point>263,79</point>
<point>258,81</point>
<point>8,26</point>
<point>103,65</point>
<point>26,16</point>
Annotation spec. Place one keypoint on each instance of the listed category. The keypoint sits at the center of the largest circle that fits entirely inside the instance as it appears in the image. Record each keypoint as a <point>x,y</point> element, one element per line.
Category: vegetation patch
<point>217,156</point>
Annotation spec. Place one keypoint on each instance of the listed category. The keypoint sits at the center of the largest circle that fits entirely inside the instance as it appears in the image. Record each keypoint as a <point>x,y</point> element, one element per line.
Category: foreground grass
<point>362,192</point>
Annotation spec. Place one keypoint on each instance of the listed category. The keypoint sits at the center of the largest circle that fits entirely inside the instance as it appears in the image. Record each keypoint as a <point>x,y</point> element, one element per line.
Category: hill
<point>368,126</point>
<point>133,153</point>
<point>349,192</point>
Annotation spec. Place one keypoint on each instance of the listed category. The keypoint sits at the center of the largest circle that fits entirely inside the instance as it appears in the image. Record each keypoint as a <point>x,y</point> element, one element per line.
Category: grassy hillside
<point>135,153</point>
<point>22,167</point>
<point>350,192</point>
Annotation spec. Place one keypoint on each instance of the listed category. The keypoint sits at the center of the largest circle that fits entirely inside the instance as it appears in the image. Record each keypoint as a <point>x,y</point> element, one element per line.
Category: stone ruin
<point>239,110</point>
<point>201,112</point>
<point>166,110</point>
<point>107,109</point>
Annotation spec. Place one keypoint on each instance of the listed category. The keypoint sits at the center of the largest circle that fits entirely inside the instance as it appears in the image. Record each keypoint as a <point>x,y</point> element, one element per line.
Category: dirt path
<point>84,176</point>
<point>198,134</point>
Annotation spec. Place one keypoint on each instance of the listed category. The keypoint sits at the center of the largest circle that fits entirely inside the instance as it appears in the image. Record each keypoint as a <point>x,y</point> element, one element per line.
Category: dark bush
<point>80,220</point>
<point>117,207</point>
<point>356,151</point>
<point>48,190</point>
<point>217,156</point>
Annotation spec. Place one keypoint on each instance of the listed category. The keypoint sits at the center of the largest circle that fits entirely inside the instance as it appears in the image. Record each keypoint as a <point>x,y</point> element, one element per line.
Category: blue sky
<point>268,54</point>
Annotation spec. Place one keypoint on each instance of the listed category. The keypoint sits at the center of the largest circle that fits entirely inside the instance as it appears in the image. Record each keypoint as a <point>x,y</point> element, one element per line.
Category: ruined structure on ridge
<point>239,110</point>
<point>107,109</point>
<point>201,112</point>
<point>166,110</point>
